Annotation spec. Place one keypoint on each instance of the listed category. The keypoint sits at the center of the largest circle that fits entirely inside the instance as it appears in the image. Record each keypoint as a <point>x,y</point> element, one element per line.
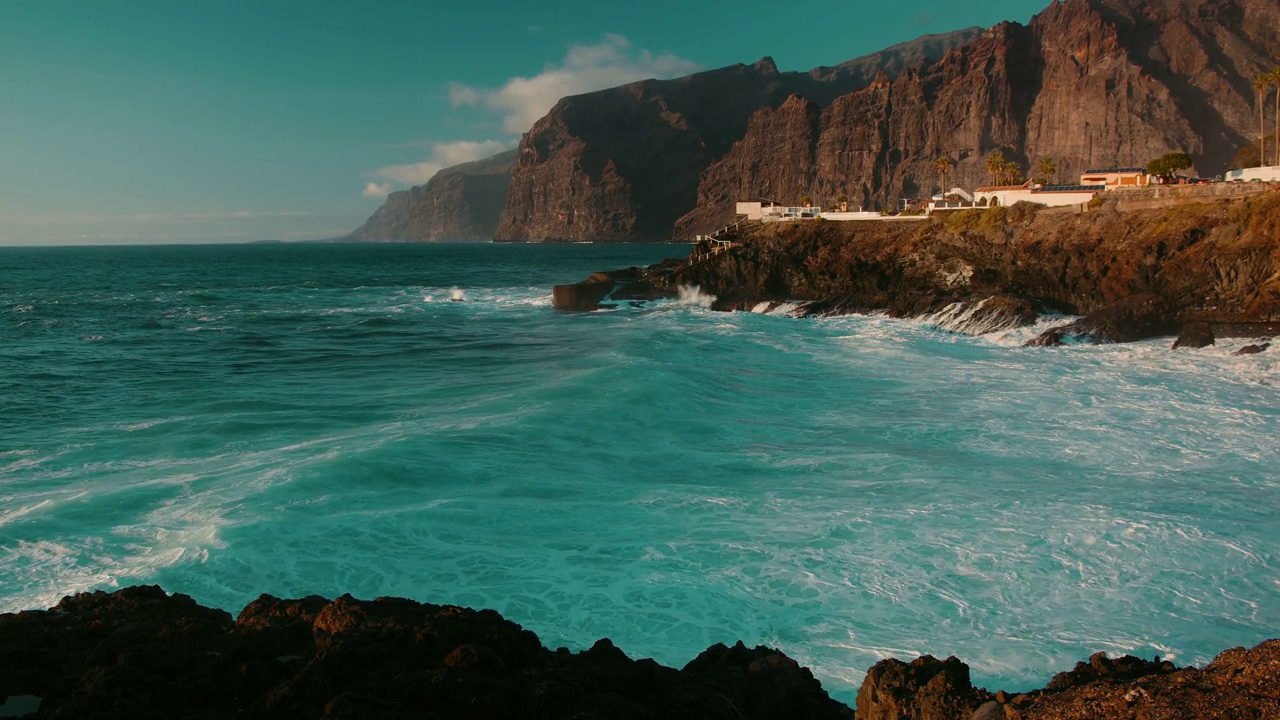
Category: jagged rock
<point>924,689</point>
<point>1135,275</point>
<point>1252,349</point>
<point>582,296</point>
<point>1136,317</point>
<point>1100,667</point>
<point>142,653</point>
<point>992,710</point>
<point>1195,335</point>
<point>1129,690</point>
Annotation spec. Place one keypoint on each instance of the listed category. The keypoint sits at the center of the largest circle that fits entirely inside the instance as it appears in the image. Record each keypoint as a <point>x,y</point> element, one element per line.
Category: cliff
<point>625,163</point>
<point>463,202</point>
<point>142,653</point>
<point>1087,82</point>
<point>1134,274</point>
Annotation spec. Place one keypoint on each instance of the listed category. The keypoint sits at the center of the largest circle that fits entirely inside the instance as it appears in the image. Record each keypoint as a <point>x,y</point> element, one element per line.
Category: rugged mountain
<point>625,163</point>
<point>462,202</point>
<point>1086,82</point>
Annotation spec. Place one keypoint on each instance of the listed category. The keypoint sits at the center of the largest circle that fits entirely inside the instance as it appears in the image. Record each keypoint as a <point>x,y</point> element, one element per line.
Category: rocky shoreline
<point>143,653</point>
<point>1211,269</point>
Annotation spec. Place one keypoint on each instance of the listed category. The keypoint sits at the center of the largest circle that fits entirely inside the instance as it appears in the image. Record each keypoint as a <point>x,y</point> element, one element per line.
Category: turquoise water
<point>227,421</point>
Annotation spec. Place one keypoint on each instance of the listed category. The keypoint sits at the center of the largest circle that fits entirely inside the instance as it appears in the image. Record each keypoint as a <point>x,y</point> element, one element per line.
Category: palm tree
<point>1047,169</point>
<point>1260,85</point>
<point>1013,171</point>
<point>1275,78</point>
<point>996,166</point>
<point>944,166</point>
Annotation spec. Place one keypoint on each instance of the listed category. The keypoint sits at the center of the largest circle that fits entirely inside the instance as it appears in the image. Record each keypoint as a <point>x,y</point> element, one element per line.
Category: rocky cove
<point>1204,267</point>
<point>140,652</point>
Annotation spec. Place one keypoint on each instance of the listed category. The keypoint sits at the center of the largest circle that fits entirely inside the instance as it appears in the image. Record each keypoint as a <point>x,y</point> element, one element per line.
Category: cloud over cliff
<point>613,61</point>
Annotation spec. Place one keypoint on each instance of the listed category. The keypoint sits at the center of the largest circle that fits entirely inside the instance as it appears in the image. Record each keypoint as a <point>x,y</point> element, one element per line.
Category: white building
<point>756,209</point>
<point>1049,195</point>
<point>1002,195</point>
<point>1112,178</point>
<point>1260,174</point>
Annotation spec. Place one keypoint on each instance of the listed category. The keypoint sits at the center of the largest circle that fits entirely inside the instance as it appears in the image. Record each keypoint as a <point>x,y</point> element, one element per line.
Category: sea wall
<point>1162,196</point>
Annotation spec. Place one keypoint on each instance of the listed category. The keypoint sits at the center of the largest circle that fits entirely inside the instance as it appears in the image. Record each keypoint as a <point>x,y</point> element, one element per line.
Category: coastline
<point>141,652</point>
<point>1131,274</point>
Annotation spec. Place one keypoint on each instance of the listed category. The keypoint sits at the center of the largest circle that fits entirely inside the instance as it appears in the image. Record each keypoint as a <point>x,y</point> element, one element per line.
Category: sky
<point>240,120</point>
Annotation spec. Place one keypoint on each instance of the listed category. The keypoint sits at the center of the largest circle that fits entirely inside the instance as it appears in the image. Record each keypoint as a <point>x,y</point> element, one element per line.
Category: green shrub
<point>1024,211</point>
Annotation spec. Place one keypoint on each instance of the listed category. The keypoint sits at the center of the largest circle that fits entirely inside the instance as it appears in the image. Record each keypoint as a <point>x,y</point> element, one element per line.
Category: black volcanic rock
<point>142,653</point>
<point>1132,275</point>
<point>463,202</point>
<point>1195,335</point>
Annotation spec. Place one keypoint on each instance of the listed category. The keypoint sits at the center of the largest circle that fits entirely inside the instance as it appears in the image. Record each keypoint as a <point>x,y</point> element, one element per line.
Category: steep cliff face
<point>1088,83</point>
<point>625,163</point>
<point>460,203</point>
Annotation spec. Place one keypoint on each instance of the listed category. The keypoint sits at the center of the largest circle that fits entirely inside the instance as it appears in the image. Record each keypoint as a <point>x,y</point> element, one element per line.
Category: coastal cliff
<point>1088,82</point>
<point>1133,274</point>
<point>142,653</point>
<point>462,202</point>
<point>625,163</point>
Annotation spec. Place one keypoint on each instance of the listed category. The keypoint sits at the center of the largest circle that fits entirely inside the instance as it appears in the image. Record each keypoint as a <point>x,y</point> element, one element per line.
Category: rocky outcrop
<point>142,653</point>
<point>1132,275</point>
<point>459,203</point>
<point>1088,82</point>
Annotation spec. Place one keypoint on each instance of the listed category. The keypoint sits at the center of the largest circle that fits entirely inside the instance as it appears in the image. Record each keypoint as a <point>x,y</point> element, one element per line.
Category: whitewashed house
<point>1260,174</point>
<point>1049,195</point>
<point>1113,178</point>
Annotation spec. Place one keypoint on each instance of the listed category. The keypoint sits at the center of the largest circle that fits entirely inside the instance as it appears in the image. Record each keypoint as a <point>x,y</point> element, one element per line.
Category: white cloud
<point>608,63</point>
<point>442,155</point>
<point>522,101</point>
<point>377,190</point>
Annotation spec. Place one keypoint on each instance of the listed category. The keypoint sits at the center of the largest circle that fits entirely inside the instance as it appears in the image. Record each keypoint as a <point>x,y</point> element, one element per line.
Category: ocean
<point>296,419</point>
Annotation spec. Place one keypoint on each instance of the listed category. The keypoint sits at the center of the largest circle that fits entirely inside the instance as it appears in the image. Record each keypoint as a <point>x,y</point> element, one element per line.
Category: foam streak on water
<point>325,419</point>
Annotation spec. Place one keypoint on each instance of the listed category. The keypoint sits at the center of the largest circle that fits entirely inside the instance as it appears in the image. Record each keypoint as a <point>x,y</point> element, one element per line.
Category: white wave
<point>457,295</point>
<point>694,296</point>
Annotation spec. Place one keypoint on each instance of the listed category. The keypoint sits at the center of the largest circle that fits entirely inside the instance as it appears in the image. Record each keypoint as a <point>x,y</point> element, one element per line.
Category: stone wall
<point>1158,196</point>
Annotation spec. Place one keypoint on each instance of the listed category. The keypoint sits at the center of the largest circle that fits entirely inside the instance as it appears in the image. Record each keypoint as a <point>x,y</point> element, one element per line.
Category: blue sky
<point>229,120</point>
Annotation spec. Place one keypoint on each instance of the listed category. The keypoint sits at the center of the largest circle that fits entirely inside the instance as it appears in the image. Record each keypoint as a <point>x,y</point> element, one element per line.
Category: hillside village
<point>1077,197</point>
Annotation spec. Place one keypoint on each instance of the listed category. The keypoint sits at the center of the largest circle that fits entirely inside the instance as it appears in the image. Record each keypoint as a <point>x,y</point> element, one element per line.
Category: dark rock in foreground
<point>1195,335</point>
<point>141,653</point>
